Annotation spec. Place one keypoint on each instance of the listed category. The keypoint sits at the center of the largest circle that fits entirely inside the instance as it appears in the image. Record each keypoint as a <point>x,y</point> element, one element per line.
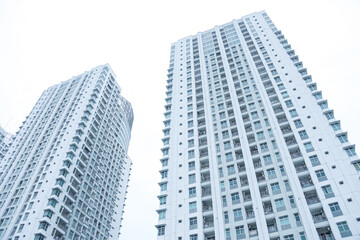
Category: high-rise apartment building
<point>65,175</point>
<point>5,142</point>
<point>251,149</point>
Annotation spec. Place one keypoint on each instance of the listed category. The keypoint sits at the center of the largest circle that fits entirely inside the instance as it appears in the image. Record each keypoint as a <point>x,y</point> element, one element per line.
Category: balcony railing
<point>319,218</point>
<point>312,200</point>
<point>268,210</point>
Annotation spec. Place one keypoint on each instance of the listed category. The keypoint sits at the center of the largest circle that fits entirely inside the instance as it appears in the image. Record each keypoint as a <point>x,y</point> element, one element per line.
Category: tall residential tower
<point>65,175</point>
<point>251,149</point>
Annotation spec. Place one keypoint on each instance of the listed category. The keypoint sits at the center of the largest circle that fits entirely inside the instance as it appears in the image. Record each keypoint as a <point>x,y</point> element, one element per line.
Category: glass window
<point>162,214</point>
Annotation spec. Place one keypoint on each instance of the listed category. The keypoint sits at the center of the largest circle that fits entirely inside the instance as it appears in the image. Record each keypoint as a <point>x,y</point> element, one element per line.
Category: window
<point>190,123</point>
<point>275,188</point>
<point>56,192</point>
<point>240,232</point>
<point>344,229</point>
<point>227,145</point>
<point>233,183</point>
<point>293,113</point>
<point>289,103</point>
<point>271,173</point>
<point>39,237</point>
<point>308,147</point>
<point>235,198</point>
<point>237,214</point>
<point>257,125</point>
<point>298,123</point>
<point>224,202</point>
<point>190,133</point>
<point>162,200</point>
<point>254,115</point>
<point>164,174</point>
<point>192,207</point>
<point>335,209</point>
<point>264,147</point>
<point>285,94</point>
<point>52,202</point>
<point>329,115</point>
<point>328,192</point>
<point>194,237</point>
<point>280,205</point>
<point>323,105</point>
<point>357,166</point>
<point>192,178</point>
<point>289,237</point>
<point>226,217</point>
<point>230,169</point>
<point>227,234</point>
<point>342,138</point>
<point>191,154</point>
<point>260,135</point>
<point>193,223</point>
<point>162,214</point>
<point>284,222</point>
<point>192,192</point>
<point>191,166</point>
<point>161,230</point>
<point>321,175</point>
<point>163,186</point>
<point>350,151</point>
<point>267,160</point>
<point>48,213</point>
<point>314,160</point>
<point>303,135</point>
<point>164,162</point>
<point>336,126</point>
<point>43,225</point>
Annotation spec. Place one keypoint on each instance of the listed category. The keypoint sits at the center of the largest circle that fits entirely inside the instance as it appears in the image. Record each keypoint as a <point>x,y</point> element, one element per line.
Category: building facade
<point>251,149</point>
<point>65,175</point>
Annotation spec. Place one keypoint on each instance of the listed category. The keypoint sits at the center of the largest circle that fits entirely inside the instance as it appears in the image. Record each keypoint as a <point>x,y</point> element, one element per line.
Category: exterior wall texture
<point>65,175</point>
<point>251,149</point>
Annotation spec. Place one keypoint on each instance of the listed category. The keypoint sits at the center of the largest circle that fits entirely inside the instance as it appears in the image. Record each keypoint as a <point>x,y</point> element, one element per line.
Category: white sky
<point>45,42</point>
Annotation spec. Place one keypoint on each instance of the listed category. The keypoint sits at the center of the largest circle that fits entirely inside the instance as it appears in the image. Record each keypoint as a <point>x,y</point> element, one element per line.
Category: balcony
<point>268,209</point>
<point>241,168</point>
<point>257,164</point>
<point>247,197</point>
<point>272,227</point>
<point>296,154</point>
<point>290,141</point>
<point>248,129</point>
<point>282,120</point>
<point>253,230</point>
<point>286,130</point>
<point>207,206</point>
<point>264,192</point>
<point>205,177</point>
<point>301,168</point>
<point>204,165</point>
<point>312,199</point>
<point>208,222</point>
<point>205,191</point>
<point>325,233</point>
<point>244,182</point>
<point>260,177</point>
<point>319,217</point>
<point>306,182</point>
<point>250,214</point>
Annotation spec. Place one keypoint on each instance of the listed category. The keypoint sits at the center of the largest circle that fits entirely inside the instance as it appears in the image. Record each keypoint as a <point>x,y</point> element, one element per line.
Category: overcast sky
<point>45,42</point>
